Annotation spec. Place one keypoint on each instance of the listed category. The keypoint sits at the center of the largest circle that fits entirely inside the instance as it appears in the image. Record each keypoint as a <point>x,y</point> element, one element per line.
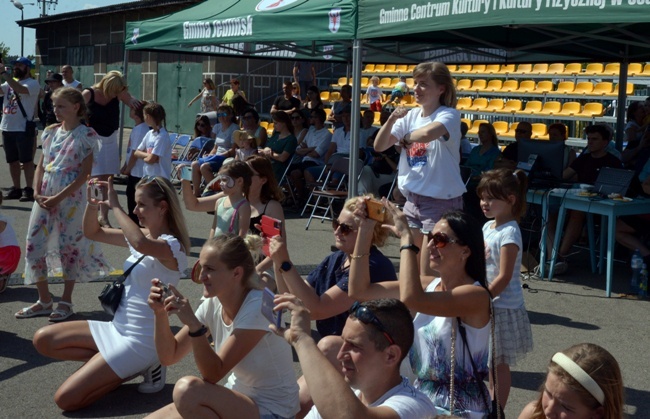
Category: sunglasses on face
<point>366,316</point>
<point>345,228</point>
<point>222,114</point>
<point>148,179</point>
<point>226,181</point>
<point>440,240</point>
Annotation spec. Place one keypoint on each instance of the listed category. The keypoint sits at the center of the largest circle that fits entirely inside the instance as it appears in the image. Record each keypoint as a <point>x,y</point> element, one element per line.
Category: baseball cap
<point>55,77</point>
<point>24,61</point>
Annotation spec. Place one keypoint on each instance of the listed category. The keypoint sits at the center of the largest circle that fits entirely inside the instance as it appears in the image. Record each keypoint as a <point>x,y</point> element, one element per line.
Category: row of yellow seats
<point>388,68</point>
<point>555,69</point>
<point>533,107</point>
<point>407,100</point>
<point>384,82</point>
<point>503,129</point>
<point>542,87</point>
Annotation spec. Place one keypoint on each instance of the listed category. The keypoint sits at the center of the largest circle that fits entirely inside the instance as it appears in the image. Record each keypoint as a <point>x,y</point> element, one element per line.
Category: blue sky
<point>11,37</point>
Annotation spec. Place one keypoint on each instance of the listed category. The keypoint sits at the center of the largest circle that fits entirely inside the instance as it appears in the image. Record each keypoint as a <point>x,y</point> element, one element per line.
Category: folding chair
<point>285,181</point>
<point>320,182</point>
<point>208,144</point>
<point>339,193</point>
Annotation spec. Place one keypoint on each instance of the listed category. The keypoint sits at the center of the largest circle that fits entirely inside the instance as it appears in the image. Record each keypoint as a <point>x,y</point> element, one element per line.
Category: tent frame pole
<point>622,99</point>
<point>357,48</point>
<point>125,70</point>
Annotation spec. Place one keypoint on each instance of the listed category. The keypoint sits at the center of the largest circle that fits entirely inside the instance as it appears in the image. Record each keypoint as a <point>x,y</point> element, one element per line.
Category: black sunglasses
<point>441,240</point>
<point>147,179</point>
<point>366,316</point>
<point>345,228</point>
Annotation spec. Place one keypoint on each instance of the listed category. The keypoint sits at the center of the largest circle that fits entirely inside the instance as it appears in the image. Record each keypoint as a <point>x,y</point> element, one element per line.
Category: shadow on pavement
<point>553,319</point>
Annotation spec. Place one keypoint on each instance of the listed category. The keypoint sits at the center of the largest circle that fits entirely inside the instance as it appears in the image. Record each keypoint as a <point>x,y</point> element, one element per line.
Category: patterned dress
<point>55,240</point>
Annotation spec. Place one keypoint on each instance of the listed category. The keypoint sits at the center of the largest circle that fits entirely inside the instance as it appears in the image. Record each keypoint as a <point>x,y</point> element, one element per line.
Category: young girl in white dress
<point>116,351</point>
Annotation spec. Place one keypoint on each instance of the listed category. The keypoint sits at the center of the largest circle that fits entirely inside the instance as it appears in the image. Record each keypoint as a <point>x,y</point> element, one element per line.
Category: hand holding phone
<point>164,290</point>
<point>271,227</point>
<point>267,308</point>
<point>186,173</point>
<point>376,210</point>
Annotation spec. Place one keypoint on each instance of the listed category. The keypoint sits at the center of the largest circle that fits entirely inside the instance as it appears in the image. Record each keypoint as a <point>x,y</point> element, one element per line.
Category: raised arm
<point>384,138</point>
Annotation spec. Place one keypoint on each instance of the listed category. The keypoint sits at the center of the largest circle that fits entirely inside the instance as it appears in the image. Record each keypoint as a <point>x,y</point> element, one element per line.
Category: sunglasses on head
<point>148,179</point>
<point>345,228</point>
<point>366,316</point>
<point>441,240</point>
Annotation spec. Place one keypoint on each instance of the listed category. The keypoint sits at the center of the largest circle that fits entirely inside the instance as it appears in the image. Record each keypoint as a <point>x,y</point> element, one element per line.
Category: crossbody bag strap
<point>463,336</point>
<point>123,277</point>
<point>234,215</point>
<point>20,104</point>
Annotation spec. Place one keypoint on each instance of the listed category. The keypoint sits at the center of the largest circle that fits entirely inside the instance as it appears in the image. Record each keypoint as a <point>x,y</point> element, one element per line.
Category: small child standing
<point>133,167</point>
<point>247,146</point>
<point>374,94</point>
<point>9,251</point>
<point>156,147</point>
<point>399,90</point>
<point>503,197</point>
<point>232,211</point>
<point>55,239</point>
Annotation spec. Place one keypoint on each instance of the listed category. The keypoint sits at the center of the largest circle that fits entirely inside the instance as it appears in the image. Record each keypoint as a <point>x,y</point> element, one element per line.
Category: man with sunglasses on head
<point>376,338</point>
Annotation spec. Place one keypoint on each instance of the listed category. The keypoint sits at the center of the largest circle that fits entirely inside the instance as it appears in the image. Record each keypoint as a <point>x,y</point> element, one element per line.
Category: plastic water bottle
<point>637,263</point>
<point>643,282</point>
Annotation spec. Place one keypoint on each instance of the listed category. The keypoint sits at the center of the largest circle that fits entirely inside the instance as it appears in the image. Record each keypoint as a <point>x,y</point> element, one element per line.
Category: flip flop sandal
<point>63,314</point>
<point>28,312</point>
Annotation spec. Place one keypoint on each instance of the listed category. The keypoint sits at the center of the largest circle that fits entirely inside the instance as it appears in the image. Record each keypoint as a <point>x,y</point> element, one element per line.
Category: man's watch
<point>286,266</point>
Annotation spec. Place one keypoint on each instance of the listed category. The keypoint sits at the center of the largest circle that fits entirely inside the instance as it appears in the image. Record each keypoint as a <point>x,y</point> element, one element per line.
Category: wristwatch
<point>410,247</point>
<point>286,266</point>
<point>202,331</point>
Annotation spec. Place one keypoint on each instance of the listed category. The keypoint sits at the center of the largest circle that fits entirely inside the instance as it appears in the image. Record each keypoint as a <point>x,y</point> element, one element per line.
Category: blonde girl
<point>503,197</point>
<point>156,147</point>
<point>55,241</point>
<point>208,96</point>
<point>257,363</point>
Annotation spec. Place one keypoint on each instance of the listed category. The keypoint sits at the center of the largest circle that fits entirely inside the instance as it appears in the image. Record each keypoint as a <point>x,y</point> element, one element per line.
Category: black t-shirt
<point>587,167</point>
<point>283,104</point>
<point>511,152</point>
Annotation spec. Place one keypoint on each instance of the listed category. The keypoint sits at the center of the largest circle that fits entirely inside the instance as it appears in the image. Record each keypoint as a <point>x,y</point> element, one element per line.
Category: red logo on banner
<point>335,20</point>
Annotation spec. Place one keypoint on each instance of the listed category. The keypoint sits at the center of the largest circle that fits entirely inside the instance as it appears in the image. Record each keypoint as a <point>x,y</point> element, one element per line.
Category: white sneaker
<point>154,379</point>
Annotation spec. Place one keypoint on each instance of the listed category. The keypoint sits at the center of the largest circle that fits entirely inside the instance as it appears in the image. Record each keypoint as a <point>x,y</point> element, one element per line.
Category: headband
<point>580,376</point>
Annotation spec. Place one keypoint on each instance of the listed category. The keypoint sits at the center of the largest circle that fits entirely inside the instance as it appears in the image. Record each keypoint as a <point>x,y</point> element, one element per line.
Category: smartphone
<point>376,210</point>
<point>186,173</point>
<point>267,308</point>
<point>96,191</point>
<point>271,227</point>
<point>165,291</point>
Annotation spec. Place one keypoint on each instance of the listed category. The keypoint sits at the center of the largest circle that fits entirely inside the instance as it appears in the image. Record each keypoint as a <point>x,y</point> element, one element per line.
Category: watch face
<point>286,266</point>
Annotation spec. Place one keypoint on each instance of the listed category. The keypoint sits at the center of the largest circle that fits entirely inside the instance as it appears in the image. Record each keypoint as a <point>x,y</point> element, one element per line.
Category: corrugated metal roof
<point>86,13</point>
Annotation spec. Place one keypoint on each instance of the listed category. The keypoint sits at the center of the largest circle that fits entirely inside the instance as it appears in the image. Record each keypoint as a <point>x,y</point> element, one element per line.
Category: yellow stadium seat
<point>401,68</point>
<point>552,107</point>
<point>646,71</point>
<point>584,88</point>
<point>565,88</point>
<point>454,81</point>
<point>511,106</point>
<point>544,86</point>
<point>592,109</point>
<point>343,81</point>
<point>493,68</point>
<point>612,69</point>
<point>452,68</point>
<point>369,68</point>
<point>463,84</point>
<point>334,96</point>
<point>478,68</point>
<point>475,124</point>
<point>377,118</point>
<point>364,81</point>
<point>511,130</point>
<point>394,81</point>
<point>501,127</point>
<point>466,121</point>
<point>385,83</point>
<point>363,98</point>
<point>390,68</point>
<point>464,103</point>
<point>628,91</point>
<point>540,131</point>
<point>479,104</point>
<point>379,68</point>
<point>464,68</point>
<point>328,112</point>
<point>494,86</point>
<point>603,88</point>
<point>410,82</point>
<point>411,68</point>
<point>510,86</point>
<point>594,69</point>
<point>507,69</point>
<point>264,124</point>
<point>269,129</point>
<point>523,69</point>
<point>532,107</point>
<point>540,68</point>
<point>572,69</point>
<point>495,105</point>
<point>478,84</point>
<point>570,109</point>
<point>526,86</point>
<point>324,95</point>
<point>555,68</point>
<point>634,69</point>
<point>408,100</point>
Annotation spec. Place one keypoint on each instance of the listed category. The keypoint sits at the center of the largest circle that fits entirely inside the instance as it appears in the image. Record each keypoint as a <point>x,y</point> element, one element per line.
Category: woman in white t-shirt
<point>261,380</point>
<point>428,171</point>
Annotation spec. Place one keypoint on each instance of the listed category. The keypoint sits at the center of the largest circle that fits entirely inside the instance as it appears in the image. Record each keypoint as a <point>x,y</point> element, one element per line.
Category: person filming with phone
<point>261,381</point>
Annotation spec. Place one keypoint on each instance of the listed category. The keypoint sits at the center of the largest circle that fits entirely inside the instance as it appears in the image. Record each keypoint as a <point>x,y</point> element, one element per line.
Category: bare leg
<point>330,347</point>
<point>196,178</point>
<point>626,236</point>
<point>43,296</point>
<point>68,287</point>
<point>167,412</point>
<point>505,382</point>
<point>28,167</point>
<point>71,341</point>
<point>14,171</point>
<point>195,398</point>
<point>573,231</point>
<point>206,171</point>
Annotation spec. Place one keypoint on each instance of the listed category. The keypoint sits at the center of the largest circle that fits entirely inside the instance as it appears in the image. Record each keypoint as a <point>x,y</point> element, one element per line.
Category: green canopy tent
<point>452,31</point>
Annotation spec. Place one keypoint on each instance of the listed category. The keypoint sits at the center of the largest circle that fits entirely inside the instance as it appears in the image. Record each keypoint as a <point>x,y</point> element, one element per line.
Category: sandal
<point>63,314</point>
<point>4,280</point>
<point>28,312</point>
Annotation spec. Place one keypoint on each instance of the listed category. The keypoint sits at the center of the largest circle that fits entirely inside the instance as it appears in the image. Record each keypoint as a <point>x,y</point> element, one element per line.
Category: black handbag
<point>30,126</point>
<point>112,293</point>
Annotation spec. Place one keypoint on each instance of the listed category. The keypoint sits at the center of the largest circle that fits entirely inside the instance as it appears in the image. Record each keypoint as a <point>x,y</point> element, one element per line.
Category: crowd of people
<point>413,343</point>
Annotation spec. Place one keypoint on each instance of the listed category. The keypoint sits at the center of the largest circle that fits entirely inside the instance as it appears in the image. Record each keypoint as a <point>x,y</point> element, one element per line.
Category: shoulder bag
<point>112,293</point>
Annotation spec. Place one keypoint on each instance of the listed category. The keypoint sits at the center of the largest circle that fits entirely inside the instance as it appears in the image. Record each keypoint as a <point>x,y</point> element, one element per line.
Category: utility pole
<point>47,4</point>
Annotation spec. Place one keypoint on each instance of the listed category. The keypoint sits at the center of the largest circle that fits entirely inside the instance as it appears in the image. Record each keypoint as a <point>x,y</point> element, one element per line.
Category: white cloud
<point>89,6</point>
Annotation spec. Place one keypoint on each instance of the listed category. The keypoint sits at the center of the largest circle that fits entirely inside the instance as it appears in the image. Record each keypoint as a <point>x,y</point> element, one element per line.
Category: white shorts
<point>107,159</point>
